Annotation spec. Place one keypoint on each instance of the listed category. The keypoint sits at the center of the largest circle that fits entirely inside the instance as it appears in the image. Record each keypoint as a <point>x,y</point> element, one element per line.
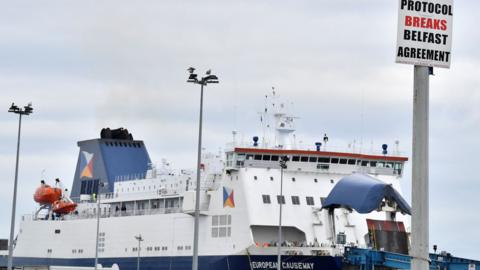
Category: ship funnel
<point>113,157</point>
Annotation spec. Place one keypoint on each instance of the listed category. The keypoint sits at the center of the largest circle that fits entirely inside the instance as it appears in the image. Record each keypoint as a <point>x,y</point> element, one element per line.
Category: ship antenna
<point>362,119</point>
<point>234,135</point>
<point>263,120</point>
<point>325,140</point>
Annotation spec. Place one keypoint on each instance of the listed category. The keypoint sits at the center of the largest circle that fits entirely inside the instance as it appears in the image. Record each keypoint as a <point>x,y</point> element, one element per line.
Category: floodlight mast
<point>139,238</point>
<point>27,110</point>
<point>193,78</point>
<point>283,166</point>
<point>101,186</point>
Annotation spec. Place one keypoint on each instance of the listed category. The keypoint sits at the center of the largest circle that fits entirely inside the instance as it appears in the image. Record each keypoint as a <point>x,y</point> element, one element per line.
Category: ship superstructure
<point>239,210</point>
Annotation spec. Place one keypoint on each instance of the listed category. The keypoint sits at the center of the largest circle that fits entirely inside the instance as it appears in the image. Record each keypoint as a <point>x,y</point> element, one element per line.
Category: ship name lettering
<point>285,265</point>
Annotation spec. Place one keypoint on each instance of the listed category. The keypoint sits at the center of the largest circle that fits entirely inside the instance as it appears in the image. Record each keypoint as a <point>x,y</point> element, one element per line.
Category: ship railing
<point>130,177</point>
<point>108,214</point>
<point>144,212</point>
<point>350,148</point>
<point>126,213</point>
<point>28,217</point>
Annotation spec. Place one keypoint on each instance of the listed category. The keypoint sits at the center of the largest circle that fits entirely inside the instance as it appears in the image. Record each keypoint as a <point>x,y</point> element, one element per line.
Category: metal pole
<point>279,244</point>
<point>420,169</point>
<point>14,203</point>
<point>197,192</point>
<point>98,228</point>
<point>138,256</point>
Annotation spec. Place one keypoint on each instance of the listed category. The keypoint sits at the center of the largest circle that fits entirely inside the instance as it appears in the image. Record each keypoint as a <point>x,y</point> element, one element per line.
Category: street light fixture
<point>139,239</point>
<point>193,78</point>
<point>283,165</point>
<point>25,111</point>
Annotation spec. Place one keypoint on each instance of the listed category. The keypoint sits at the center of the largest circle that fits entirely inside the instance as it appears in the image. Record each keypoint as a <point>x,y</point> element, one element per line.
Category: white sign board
<point>424,34</point>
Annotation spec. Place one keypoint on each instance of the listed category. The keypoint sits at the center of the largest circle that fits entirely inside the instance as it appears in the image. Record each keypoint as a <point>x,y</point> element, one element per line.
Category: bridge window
<point>266,199</point>
<point>351,162</point>
<point>295,200</point>
<point>334,160</point>
<point>312,159</point>
<point>310,201</point>
<point>274,158</point>
<point>322,200</point>
<point>258,157</point>
<point>266,157</point>
<point>324,160</point>
<point>295,158</point>
<point>397,168</point>
<point>304,159</point>
<point>343,161</point>
<point>364,163</point>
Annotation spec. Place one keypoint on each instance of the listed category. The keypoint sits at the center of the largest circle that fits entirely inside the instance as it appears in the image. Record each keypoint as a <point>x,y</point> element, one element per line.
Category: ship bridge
<point>316,161</point>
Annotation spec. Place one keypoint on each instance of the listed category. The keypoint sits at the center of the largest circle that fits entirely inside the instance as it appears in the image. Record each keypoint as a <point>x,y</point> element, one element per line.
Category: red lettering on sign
<point>408,21</point>
<point>428,23</point>
<point>444,25</point>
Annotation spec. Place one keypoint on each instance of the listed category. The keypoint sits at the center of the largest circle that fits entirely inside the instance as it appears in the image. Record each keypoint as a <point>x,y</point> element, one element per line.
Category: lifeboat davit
<point>47,194</point>
<point>63,207</point>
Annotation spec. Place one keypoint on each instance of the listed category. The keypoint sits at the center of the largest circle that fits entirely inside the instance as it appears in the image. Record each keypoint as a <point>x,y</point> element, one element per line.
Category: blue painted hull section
<point>234,262</point>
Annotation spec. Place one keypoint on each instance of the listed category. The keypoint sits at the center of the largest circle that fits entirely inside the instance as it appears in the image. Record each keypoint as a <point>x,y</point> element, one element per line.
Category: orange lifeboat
<point>63,207</point>
<point>45,194</point>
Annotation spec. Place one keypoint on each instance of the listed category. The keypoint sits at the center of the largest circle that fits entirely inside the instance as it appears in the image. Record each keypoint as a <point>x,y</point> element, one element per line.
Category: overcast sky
<point>92,64</point>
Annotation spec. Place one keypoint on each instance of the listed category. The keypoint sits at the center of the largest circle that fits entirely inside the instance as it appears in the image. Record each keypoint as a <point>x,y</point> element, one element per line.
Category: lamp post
<point>25,111</point>
<point>139,239</point>
<point>283,165</point>
<point>192,78</point>
<point>101,185</point>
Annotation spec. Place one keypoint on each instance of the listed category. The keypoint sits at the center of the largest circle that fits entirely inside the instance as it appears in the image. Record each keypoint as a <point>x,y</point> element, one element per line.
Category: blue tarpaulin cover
<point>364,194</point>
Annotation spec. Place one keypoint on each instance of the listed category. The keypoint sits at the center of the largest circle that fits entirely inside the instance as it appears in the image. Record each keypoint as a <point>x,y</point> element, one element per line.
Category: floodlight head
<point>13,108</point>
<point>211,79</point>
<point>208,72</point>
<point>28,109</point>
<point>283,162</point>
<point>192,78</point>
<point>191,70</point>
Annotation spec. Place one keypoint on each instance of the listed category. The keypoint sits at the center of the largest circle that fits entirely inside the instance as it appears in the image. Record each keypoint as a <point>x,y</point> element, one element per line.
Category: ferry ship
<point>116,185</point>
